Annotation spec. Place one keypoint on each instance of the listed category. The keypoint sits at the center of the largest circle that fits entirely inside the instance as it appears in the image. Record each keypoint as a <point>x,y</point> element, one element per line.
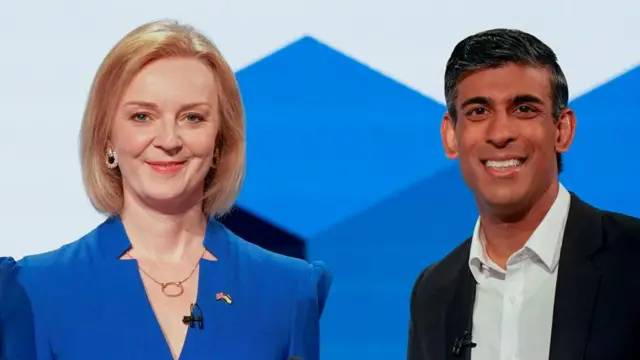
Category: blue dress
<point>16,318</point>
<point>89,304</point>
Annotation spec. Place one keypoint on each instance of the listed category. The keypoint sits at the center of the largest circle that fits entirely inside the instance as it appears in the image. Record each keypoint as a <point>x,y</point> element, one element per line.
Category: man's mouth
<point>504,167</point>
<point>503,164</point>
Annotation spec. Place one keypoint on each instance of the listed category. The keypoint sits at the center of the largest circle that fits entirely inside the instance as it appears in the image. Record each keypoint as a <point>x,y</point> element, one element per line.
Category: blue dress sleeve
<point>312,296</point>
<point>17,337</point>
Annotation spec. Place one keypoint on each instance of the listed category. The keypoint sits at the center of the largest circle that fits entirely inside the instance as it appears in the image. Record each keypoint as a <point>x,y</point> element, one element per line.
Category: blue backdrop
<point>349,163</point>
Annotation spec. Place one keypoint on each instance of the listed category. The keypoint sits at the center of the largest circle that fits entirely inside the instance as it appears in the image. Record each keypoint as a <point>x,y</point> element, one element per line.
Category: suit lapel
<point>459,310</point>
<point>577,284</point>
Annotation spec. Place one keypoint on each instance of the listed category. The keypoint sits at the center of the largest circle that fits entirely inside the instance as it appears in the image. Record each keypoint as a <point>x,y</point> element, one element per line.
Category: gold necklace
<point>171,284</point>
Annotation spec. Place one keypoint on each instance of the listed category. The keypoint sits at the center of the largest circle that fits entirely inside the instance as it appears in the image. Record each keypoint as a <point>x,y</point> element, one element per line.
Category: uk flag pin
<point>224,297</point>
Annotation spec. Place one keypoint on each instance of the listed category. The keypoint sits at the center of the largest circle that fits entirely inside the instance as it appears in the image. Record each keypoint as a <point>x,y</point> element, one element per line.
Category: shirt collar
<point>477,254</point>
<point>545,242</point>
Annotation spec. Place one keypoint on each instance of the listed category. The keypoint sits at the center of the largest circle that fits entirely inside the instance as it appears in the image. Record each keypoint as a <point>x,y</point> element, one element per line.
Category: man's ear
<point>565,130</point>
<point>448,134</point>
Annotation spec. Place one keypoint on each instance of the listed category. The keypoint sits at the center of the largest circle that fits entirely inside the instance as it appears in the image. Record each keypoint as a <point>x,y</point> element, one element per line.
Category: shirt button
<point>512,300</point>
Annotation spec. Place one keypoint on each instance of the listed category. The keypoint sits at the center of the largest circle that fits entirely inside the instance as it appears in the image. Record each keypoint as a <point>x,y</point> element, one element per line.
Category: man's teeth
<point>503,164</point>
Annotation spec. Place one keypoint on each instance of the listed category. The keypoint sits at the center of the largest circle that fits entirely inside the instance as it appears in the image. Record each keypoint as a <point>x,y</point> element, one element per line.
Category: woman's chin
<point>170,201</point>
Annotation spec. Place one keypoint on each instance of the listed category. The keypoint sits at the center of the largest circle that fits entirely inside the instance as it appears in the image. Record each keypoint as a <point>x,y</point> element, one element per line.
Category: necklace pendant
<point>172,289</point>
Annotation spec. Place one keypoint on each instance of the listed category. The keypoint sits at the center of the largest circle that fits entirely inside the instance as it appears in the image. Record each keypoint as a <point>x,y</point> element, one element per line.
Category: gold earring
<point>111,159</point>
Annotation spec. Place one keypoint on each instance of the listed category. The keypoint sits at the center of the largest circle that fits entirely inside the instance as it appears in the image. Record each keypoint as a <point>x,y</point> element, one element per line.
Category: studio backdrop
<point>343,101</point>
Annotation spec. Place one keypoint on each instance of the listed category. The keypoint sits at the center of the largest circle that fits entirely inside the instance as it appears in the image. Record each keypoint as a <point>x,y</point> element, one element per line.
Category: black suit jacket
<point>597,303</point>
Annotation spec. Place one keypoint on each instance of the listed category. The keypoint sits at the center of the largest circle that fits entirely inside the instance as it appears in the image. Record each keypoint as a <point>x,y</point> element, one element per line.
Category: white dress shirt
<point>513,310</point>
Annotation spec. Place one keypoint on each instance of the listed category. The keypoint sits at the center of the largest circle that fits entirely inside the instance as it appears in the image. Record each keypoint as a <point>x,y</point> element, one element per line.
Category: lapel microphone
<point>195,317</point>
<point>461,342</point>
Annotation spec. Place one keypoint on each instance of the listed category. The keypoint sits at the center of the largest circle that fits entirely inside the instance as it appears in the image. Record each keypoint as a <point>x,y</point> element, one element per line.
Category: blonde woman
<point>163,153</point>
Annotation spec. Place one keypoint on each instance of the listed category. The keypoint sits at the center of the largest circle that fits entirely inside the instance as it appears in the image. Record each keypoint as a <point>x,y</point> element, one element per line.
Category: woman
<point>163,152</point>
<point>16,318</point>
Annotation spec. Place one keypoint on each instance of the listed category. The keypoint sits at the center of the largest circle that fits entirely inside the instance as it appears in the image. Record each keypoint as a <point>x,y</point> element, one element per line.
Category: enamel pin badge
<point>224,297</point>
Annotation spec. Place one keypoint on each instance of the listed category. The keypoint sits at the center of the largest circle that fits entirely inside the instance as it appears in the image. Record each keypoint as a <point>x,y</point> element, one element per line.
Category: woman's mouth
<point>166,167</point>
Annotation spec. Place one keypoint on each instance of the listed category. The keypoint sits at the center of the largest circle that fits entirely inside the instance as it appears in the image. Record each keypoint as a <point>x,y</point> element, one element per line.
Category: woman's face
<point>164,132</point>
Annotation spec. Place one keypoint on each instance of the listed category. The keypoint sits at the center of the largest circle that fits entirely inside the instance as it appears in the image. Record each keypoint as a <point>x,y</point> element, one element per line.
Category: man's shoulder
<point>620,229</point>
<point>616,227</point>
<point>626,224</point>
<point>443,273</point>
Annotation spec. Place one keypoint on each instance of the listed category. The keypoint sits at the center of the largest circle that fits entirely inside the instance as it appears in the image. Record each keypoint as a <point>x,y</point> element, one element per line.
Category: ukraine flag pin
<point>224,297</point>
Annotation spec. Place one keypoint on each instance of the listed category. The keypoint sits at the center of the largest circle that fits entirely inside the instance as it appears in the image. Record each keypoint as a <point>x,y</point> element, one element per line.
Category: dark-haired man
<point>545,275</point>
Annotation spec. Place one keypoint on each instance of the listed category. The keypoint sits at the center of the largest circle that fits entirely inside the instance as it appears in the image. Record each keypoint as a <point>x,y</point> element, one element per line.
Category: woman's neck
<point>164,237</point>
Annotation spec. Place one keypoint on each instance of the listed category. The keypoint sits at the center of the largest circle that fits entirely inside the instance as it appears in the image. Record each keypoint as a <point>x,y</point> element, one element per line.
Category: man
<point>545,275</point>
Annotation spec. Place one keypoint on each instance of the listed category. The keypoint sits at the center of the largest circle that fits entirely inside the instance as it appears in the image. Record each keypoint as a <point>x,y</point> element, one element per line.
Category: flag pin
<point>224,297</point>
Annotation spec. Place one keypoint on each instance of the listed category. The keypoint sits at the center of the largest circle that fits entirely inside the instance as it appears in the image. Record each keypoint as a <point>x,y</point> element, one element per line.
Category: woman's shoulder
<point>6,264</point>
<point>16,316</point>
<point>7,271</point>
<point>12,294</point>
<point>265,260</point>
<point>307,276</point>
<point>79,251</point>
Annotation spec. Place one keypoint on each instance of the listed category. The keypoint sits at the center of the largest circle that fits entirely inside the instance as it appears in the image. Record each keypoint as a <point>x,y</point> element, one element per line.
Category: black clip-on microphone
<point>461,342</point>
<point>194,318</point>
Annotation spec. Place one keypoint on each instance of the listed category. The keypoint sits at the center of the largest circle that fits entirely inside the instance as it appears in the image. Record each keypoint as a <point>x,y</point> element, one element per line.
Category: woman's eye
<point>141,117</point>
<point>194,118</point>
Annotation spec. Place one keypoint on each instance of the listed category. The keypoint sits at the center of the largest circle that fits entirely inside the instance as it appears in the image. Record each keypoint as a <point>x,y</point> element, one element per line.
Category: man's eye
<point>477,111</point>
<point>525,108</point>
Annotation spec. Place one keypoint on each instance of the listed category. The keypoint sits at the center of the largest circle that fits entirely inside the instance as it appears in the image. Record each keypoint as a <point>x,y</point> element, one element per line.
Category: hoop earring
<point>111,159</point>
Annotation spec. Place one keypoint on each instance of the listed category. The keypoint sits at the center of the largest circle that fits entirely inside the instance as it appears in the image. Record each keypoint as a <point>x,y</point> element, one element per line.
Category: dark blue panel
<point>264,234</point>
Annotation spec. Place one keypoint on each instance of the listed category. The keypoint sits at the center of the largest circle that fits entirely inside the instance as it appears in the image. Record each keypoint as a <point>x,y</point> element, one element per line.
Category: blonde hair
<point>147,43</point>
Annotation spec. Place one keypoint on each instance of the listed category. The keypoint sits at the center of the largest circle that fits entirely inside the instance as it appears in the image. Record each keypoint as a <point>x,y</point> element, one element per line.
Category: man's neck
<point>505,234</point>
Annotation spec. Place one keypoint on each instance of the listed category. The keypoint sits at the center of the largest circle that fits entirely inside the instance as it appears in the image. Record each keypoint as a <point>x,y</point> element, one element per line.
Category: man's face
<point>505,135</point>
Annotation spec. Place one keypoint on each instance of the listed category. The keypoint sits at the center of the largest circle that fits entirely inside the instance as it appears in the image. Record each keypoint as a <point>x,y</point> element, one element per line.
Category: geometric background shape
<point>328,137</point>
